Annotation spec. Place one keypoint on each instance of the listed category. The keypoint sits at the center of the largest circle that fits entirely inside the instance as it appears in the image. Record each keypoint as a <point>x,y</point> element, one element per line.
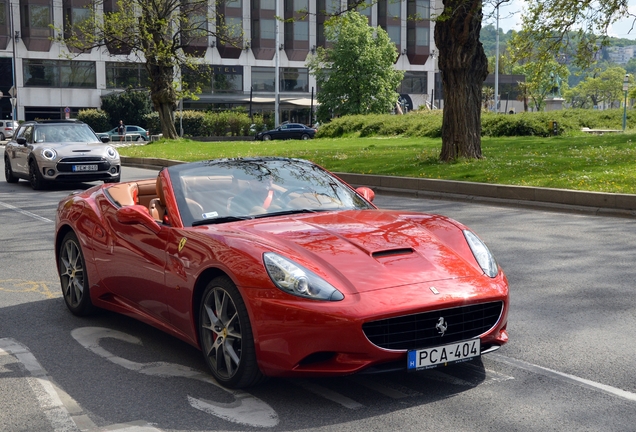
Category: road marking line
<point>565,377</point>
<point>246,409</point>
<point>328,394</point>
<point>45,391</point>
<point>24,212</point>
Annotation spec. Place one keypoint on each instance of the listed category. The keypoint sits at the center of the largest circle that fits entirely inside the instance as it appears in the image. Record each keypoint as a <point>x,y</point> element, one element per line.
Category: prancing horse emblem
<point>441,326</point>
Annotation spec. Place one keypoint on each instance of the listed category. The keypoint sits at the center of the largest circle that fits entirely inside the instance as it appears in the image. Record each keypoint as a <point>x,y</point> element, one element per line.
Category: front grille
<point>418,331</point>
<point>66,165</point>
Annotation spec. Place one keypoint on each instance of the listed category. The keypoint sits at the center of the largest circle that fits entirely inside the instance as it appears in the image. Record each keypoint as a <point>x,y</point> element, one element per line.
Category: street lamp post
<point>625,88</point>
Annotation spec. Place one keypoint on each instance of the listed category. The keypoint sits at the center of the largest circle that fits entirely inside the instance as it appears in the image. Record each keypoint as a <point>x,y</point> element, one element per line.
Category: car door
<point>131,261</point>
<point>20,156</point>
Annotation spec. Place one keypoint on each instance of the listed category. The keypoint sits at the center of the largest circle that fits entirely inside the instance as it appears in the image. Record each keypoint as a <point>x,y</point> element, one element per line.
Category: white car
<point>6,128</point>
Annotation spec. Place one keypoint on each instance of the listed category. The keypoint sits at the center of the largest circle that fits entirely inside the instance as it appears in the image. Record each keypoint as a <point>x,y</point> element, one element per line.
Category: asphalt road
<point>569,365</point>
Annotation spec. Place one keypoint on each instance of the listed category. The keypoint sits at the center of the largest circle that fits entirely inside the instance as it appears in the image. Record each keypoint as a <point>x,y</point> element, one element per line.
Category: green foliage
<point>131,106</point>
<point>206,123</point>
<point>357,74</point>
<point>97,119</point>
<point>428,123</point>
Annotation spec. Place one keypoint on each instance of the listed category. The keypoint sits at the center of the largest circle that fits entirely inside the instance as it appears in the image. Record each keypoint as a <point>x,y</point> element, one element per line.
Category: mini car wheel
<point>8,172</point>
<point>73,277</point>
<point>267,137</point>
<point>304,137</point>
<point>35,176</point>
<point>226,335</point>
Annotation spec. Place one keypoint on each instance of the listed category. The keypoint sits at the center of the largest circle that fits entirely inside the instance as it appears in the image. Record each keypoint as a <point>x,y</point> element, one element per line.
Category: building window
<point>77,74</point>
<point>227,79</point>
<point>3,13</point>
<point>418,36</point>
<point>294,80</point>
<point>40,73</point>
<point>414,83</point>
<point>263,78</point>
<point>36,16</point>
<point>126,75</point>
<point>395,33</point>
<point>265,29</point>
<point>268,5</point>
<point>419,9</point>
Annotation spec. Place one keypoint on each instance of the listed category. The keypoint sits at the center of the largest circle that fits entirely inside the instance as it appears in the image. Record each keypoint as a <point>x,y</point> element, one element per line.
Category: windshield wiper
<point>290,212</point>
<point>218,220</point>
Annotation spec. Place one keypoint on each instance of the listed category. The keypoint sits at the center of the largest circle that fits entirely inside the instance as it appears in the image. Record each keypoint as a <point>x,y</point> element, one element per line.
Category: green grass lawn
<point>604,163</point>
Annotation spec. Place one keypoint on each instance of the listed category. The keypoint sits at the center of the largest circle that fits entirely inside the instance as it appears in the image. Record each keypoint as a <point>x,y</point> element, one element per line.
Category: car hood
<point>80,149</point>
<point>371,249</point>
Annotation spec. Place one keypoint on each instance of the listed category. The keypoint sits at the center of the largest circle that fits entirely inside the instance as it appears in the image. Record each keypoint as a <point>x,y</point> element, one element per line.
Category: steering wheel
<point>284,198</point>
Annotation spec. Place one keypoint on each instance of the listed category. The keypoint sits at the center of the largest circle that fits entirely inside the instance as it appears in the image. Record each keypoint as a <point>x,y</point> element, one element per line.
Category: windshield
<point>233,189</point>
<point>61,133</point>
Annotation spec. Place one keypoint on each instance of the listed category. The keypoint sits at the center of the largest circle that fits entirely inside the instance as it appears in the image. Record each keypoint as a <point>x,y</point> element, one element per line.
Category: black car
<point>288,131</point>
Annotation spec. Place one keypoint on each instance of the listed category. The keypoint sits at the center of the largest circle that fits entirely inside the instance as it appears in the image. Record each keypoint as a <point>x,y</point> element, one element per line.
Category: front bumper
<point>311,338</point>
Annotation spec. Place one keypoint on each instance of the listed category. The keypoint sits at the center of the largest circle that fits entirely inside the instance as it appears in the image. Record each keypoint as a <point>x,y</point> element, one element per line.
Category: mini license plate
<point>444,354</point>
<point>84,168</point>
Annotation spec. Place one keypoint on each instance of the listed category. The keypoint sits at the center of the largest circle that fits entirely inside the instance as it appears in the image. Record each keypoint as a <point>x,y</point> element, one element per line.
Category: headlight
<point>112,153</point>
<point>49,154</point>
<point>482,254</point>
<point>296,280</point>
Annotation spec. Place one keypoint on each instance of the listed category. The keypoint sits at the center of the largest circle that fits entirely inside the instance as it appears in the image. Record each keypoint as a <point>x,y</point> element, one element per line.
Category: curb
<point>599,203</point>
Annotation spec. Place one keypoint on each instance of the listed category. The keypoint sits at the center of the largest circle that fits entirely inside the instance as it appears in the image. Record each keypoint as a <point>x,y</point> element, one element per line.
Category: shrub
<point>95,118</point>
<point>429,123</point>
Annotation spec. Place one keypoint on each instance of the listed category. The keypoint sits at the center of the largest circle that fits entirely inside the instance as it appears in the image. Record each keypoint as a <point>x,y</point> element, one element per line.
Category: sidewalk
<point>599,203</point>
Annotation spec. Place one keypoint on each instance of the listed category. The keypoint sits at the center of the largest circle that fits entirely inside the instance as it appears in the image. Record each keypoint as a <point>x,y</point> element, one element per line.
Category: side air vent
<point>392,252</point>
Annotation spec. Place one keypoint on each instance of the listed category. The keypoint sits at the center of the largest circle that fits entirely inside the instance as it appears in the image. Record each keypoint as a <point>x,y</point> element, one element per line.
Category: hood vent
<point>392,252</point>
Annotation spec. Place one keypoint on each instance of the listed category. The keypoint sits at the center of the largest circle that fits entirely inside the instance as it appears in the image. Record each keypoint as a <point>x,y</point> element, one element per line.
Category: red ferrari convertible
<point>275,267</point>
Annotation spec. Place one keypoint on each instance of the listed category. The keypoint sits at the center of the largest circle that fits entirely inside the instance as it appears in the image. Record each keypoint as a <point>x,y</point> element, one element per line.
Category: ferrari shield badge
<point>182,243</point>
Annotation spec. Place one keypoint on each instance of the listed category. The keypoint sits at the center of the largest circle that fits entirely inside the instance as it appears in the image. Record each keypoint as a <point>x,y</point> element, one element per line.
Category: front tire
<point>304,137</point>
<point>8,172</point>
<point>141,139</point>
<point>226,336</point>
<point>73,277</point>
<point>35,176</point>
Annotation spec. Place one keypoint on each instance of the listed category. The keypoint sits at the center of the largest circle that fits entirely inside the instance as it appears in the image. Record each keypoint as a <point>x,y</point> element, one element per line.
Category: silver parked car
<point>59,151</point>
<point>6,129</point>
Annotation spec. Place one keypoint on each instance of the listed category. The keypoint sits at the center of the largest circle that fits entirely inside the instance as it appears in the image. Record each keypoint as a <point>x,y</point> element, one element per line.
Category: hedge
<point>429,123</point>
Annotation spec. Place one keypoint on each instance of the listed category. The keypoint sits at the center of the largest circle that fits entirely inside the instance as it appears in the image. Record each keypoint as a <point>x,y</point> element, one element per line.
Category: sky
<point>509,19</point>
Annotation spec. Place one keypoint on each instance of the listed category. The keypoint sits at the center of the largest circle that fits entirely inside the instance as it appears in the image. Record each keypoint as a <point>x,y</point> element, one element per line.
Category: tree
<point>464,67</point>
<point>130,106</point>
<point>572,26</point>
<point>357,74</point>
<point>542,79</point>
<point>157,32</point>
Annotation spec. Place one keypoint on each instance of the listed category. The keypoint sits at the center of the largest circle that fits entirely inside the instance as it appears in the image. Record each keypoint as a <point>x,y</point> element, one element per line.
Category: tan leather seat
<point>157,205</point>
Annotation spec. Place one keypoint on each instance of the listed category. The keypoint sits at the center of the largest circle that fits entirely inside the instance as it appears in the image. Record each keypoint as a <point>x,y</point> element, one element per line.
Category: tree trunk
<point>164,97</point>
<point>464,67</point>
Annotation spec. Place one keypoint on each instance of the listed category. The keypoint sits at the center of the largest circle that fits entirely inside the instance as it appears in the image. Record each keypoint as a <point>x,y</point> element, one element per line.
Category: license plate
<point>84,168</point>
<point>444,354</point>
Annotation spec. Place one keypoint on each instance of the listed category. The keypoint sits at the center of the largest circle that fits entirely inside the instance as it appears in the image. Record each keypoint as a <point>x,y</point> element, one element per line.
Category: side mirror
<point>367,193</point>
<point>137,214</point>
<point>21,140</point>
<point>105,139</point>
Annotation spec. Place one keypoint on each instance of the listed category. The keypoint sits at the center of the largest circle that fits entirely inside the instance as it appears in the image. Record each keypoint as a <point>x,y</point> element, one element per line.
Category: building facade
<point>39,80</point>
